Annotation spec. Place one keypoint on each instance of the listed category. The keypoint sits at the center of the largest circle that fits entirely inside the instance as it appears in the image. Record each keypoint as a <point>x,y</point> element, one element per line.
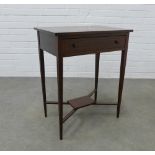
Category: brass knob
<point>116,42</point>
<point>73,45</point>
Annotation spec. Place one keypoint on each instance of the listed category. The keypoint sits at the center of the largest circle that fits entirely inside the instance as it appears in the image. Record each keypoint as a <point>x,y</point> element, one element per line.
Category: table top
<point>58,30</point>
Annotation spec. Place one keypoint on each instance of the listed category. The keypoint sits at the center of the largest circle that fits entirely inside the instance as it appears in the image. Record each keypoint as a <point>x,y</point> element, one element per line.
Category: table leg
<point>60,93</point>
<point>97,59</point>
<point>42,72</point>
<point>121,80</point>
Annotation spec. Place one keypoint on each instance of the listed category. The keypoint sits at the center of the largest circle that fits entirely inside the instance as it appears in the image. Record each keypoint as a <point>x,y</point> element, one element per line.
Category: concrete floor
<point>23,126</point>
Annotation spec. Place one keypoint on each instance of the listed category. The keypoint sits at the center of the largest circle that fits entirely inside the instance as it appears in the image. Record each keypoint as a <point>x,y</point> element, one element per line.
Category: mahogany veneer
<point>66,41</point>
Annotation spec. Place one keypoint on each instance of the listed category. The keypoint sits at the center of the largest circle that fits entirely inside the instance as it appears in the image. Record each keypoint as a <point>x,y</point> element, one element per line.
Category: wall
<point>18,40</point>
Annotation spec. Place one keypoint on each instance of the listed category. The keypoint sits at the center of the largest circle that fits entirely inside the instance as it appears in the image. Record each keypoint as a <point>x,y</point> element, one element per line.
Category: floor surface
<point>24,127</point>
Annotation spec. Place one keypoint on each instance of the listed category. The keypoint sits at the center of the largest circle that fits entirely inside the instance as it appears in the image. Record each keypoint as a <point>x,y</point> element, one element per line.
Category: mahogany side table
<point>66,41</point>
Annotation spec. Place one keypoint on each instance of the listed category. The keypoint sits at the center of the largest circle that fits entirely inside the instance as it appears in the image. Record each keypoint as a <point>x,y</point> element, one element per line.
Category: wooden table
<point>66,41</point>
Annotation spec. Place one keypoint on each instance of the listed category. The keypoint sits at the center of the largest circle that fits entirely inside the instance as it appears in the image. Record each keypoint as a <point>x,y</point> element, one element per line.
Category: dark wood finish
<point>97,59</point>
<point>91,93</point>
<point>60,89</point>
<point>54,102</point>
<point>83,30</point>
<point>67,103</point>
<point>49,42</point>
<point>122,73</point>
<point>80,40</point>
<point>82,46</point>
<point>42,72</point>
<point>81,102</point>
<point>69,115</point>
<point>105,104</point>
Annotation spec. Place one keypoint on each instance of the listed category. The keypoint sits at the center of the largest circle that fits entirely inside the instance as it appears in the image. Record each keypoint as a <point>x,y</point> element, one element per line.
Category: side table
<point>66,41</point>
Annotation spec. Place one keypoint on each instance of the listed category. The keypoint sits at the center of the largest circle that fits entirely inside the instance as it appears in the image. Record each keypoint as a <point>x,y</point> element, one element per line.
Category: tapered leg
<point>42,72</point>
<point>121,80</point>
<point>60,94</point>
<point>97,59</point>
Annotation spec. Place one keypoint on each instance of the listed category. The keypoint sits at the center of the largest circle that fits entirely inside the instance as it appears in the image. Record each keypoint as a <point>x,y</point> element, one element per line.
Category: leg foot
<point>118,111</point>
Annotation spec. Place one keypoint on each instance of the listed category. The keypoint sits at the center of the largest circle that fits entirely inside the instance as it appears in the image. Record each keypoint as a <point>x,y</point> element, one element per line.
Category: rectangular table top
<point>58,30</point>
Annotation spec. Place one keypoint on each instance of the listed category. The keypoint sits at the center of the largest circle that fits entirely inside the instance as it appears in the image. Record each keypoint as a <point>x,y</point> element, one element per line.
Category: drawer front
<point>71,47</point>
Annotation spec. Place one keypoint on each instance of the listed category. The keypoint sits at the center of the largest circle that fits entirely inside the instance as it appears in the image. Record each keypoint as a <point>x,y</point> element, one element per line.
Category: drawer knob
<point>73,45</point>
<point>116,42</point>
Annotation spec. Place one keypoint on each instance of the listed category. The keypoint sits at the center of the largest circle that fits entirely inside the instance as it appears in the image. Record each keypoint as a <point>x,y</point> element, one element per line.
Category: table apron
<point>82,46</point>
